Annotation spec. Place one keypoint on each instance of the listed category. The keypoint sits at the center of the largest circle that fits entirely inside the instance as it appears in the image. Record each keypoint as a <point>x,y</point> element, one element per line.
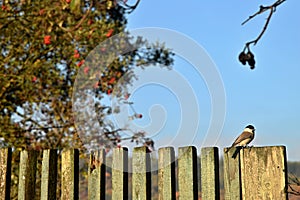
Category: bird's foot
<point>248,147</point>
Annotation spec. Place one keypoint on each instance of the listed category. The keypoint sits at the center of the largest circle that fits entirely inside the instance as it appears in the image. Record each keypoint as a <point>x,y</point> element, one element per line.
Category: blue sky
<point>267,97</point>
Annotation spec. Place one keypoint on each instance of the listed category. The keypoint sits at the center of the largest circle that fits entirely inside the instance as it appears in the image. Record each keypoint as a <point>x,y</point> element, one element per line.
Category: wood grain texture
<point>49,175</point>
<point>120,174</point>
<point>210,183</point>
<point>264,173</point>
<point>27,175</point>
<point>232,175</point>
<point>96,175</point>
<point>5,173</point>
<point>70,174</point>
<point>141,177</point>
<point>166,174</point>
<point>187,173</point>
<point>256,173</point>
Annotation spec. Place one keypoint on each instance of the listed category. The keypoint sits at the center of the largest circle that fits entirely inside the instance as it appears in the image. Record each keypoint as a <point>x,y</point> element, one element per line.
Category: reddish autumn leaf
<point>80,63</point>
<point>86,70</point>
<point>47,39</point>
<point>42,11</point>
<point>112,80</point>
<point>34,79</point>
<point>90,22</point>
<point>109,33</point>
<point>109,91</point>
<point>3,7</point>
<point>76,54</point>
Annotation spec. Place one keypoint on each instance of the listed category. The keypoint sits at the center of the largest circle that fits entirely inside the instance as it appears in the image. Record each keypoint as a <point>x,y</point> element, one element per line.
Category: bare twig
<point>263,30</point>
<point>293,191</point>
<point>262,9</point>
<point>129,8</point>
<point>80,22</point>
<point>293,181</point>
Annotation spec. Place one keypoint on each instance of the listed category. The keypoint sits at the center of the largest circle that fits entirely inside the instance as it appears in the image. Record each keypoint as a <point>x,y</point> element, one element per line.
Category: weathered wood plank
<point>141,177</point>
<point>5,173</point>
<point>210,183</point>
<point>27,175</point>
<point>264,173</point>
<point>187,173</point>
<point>120,174</point>
<point>166,174</point>
<point>96,174</point>
<point>232,175</point>
<point>70,174</point>
<point>256,173</point>
<point>49,175</point>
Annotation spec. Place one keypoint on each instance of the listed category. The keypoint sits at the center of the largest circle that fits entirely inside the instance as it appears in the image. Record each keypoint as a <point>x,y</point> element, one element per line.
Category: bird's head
<point>250,127</point>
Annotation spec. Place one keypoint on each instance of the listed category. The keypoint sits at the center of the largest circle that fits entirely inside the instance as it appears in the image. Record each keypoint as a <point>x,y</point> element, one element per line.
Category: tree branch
<point>262,9</point>
<point>293,181</point>
<point>263,30</point>
<point>129,8</point>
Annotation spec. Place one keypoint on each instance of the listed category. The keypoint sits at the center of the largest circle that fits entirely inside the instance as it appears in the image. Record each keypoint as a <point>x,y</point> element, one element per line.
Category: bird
<point>244,138</point>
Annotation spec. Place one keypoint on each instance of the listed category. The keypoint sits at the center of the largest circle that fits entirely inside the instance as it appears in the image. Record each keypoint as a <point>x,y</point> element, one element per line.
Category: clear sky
<point>267,97</point>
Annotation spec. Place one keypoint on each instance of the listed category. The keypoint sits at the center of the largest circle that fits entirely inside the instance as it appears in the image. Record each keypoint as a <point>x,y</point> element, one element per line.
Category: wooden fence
<point>255,173</point>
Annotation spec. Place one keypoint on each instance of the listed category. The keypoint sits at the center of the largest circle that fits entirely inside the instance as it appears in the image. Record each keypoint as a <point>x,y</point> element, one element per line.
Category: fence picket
<point>70,174</point>
<point>166,174</point>
<point>264,173</point>
<point>187,173</point>
<point>210,184</point>
<point>120,174</point>
<point>27,174</point>
<point>5,172</point>
<point>96,175</point>
<point>231,175</point>
<point>255,173</point>
<point>141,177</point>
<point>49,174</point>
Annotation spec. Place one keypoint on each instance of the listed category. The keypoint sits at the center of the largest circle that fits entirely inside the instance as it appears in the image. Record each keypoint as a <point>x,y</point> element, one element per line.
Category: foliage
<point>43,46</point>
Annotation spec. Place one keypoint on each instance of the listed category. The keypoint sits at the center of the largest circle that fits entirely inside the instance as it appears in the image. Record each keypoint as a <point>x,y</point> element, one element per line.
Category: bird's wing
<point>242,137</point>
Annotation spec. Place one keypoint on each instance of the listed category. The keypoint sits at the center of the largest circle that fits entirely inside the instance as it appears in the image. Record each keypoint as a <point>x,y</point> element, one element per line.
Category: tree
<point>43,47</point>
